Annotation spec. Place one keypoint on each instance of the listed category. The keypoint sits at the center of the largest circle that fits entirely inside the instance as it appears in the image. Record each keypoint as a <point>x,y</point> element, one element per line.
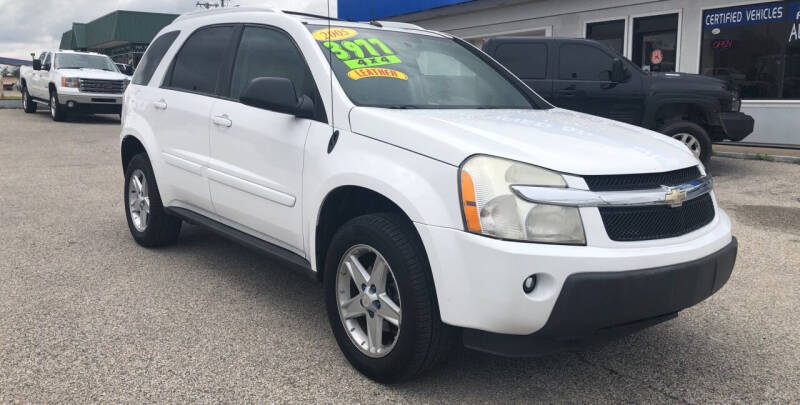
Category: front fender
<point>425,189</point>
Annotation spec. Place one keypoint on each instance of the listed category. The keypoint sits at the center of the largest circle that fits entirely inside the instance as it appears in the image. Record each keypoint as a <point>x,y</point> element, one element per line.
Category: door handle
<point>222,120</point>
<point>567,93</point>
<point>160,104</point>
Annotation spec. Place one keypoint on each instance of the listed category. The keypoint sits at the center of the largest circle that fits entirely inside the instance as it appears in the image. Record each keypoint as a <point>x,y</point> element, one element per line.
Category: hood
<point>92,74</point>
<point>557,139</point>
<point>687,82</point>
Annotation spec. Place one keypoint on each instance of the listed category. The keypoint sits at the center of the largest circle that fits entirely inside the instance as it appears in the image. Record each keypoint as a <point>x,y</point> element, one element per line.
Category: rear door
<point>529,61</point>
<point>584,84</point>
<point>180,113</point>
<point>256,166</point>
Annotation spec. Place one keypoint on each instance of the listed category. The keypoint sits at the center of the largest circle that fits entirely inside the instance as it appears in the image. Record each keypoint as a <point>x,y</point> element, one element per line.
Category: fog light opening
<point>71,104</point>
<point>529,284</point>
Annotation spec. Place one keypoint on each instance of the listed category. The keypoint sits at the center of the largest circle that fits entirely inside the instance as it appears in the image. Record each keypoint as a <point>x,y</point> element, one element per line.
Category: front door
<point>256,166</point>
<point>584,84</point>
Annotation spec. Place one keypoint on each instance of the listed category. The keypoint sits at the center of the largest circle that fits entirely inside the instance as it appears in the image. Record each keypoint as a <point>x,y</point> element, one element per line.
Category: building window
<point>609,33</point>
<point>655,42</point>
<point>755,46</point>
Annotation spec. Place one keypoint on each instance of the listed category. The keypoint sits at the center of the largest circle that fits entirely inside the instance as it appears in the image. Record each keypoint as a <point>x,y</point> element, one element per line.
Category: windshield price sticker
<point>361,52</point>
<point>362,73</point>
<point>334,34</point>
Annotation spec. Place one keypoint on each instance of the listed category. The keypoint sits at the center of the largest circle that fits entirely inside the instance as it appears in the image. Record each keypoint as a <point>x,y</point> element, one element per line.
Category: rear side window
<point>584,63</point>
<point>198,63</point>
<point>527,61</point>
<point>152,58</point>
<point>265,52</point>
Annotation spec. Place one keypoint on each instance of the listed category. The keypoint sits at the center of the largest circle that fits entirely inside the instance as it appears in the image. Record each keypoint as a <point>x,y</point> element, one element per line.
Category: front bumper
<point>599,306</point>
<point>75,101</point>
<point>479,280</point>
<point>736,125</point>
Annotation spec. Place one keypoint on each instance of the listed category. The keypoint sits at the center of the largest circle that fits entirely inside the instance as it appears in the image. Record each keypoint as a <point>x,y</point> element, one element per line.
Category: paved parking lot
<point>86,315</point>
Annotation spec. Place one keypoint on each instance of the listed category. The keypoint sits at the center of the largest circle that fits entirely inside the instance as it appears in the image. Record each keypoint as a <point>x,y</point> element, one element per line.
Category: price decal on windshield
<point>361,53</point>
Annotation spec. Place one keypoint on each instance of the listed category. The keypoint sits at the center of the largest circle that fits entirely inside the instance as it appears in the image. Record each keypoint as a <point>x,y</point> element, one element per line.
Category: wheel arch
<point>342,204</point>
<point>699,111</point>
<point>130,147</point>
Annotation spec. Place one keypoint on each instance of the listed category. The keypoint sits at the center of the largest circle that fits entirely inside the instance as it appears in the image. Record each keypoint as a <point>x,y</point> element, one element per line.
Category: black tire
<point>696,131</point>
<point>57,112</point>
<point>423,341</point>
<point>28,105</point>
<point>162,229</point>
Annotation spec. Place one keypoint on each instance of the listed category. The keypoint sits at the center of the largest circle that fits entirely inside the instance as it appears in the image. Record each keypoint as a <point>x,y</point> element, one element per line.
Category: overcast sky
<point>32,25</point>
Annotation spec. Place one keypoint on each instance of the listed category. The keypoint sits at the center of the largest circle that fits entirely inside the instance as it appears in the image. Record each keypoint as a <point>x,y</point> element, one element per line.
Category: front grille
<point>642,181</point>
<point>627,224</point>
<point>102,86</point>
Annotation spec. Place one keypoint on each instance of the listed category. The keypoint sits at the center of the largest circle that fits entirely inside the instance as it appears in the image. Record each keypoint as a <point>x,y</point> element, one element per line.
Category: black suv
<point>587,76</point>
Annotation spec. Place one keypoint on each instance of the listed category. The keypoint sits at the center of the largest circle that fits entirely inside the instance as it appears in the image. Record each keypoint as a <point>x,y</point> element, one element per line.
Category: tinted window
<point>584,62</point>
<point>47,59</point>
<point>265,52</point>
<point>527,61</point>
<point>152,57</point>
<point>610,33</point>
<point>198,63</point>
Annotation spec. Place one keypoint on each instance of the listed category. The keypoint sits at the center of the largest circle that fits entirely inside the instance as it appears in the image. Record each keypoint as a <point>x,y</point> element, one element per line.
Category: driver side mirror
<point>37,64</point>
<point>618,73</point>
<point>277,94</point>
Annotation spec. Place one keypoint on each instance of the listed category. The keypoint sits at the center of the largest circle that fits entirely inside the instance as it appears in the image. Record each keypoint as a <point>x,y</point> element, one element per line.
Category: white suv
<point>436,197</point>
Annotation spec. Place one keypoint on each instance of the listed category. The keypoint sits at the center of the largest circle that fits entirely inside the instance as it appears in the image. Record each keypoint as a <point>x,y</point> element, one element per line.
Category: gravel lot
<point>86,315</point>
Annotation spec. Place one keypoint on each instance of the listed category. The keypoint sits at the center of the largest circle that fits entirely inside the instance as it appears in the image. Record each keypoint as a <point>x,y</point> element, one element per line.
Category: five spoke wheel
<point>369,301</point>
<point>139,200</point>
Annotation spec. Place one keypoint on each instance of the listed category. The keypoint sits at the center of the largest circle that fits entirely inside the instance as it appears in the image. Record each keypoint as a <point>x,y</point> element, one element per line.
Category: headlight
<point>70,82</point>
<point>491,208</point>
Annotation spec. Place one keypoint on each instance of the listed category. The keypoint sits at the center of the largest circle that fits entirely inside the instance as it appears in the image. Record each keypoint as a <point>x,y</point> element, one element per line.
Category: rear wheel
<point>148,222</point>
<point>56,110</point>
<point>380,299</point>
<point>693,136</point>
<point>27,101</point>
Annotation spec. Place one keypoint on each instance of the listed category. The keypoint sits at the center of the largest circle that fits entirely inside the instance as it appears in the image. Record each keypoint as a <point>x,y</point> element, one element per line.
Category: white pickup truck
<point>73,83</point>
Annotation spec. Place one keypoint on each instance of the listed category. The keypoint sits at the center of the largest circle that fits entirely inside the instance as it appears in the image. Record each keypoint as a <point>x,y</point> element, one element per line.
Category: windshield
<point>391,69</point>
<point>82,61</point>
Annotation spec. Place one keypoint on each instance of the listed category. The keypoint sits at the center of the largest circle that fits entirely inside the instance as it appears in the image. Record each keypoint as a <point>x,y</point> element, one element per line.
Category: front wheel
<point>693,136</point>
<point>381,301</point>
<point>57,112</point>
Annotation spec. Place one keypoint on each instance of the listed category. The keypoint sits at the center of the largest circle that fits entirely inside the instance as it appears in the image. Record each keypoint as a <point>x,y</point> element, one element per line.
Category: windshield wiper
<point>402,107</point>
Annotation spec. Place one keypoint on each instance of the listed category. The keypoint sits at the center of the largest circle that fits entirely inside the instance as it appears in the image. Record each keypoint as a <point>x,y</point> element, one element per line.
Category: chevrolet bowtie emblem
<point>675,197</point>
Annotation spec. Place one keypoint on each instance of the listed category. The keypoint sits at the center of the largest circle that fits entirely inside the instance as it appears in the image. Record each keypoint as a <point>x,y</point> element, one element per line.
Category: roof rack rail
<point>226,10</point>
<point>300,13</point>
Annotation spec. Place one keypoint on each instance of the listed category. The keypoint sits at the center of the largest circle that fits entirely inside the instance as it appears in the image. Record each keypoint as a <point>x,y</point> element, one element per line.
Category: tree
<point>15,72</point>
<point>4,72</point>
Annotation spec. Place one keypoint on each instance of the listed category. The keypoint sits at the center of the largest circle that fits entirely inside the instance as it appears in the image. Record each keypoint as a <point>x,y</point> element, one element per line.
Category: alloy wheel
<point>53,102</point>
<point>139,200</point>
<point>691,142</point>
<point>368,300</point>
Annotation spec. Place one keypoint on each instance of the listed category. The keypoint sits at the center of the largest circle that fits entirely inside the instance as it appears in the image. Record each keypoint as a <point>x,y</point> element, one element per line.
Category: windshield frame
<point>536,101</point>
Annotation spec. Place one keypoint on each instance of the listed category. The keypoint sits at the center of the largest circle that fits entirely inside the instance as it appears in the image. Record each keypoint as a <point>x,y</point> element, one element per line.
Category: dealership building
<point>122,35</point>
<point>754,43</point>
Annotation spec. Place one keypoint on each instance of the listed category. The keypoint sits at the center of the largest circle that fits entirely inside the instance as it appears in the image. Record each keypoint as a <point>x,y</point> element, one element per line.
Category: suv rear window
<point>527,61</point>
<point>198,63</point>
<point>152,58</point>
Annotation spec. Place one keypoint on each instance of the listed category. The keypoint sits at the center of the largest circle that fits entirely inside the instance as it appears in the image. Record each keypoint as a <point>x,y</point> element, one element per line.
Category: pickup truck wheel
<point>149,224</point>
<point>56,111</point>
<point>380,299</point>
<point>28,105</point>
<point>693,136</point>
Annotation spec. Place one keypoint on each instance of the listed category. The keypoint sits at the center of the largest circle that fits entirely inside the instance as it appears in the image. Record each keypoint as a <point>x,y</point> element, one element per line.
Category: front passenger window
<point>584,63</point>
<point>266,52</point>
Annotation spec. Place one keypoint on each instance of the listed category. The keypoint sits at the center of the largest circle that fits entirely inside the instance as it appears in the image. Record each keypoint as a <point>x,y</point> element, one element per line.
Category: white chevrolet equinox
<point>437,199</point>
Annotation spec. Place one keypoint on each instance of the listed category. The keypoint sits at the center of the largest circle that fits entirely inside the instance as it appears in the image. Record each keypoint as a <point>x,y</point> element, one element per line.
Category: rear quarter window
<point>527,61</point>
<point>152,57</point>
